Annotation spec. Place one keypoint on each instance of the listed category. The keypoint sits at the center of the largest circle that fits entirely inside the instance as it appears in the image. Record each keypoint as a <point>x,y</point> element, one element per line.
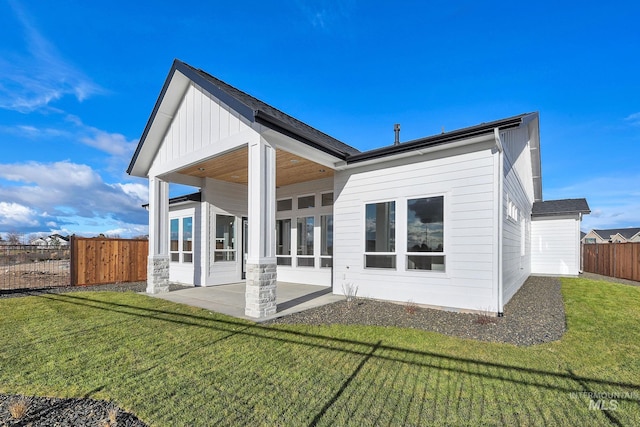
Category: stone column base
<point>157,274</point>
<point>260,294</point>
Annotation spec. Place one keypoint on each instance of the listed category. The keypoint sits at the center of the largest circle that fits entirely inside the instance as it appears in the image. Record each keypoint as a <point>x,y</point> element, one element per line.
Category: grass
<point>176,365</point>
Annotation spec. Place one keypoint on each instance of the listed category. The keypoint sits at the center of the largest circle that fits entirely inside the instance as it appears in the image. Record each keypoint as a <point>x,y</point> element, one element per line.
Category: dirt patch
<point>38,274</point>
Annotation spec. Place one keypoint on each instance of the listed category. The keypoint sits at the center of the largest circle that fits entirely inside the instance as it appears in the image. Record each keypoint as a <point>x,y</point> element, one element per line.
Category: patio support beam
<point>158,260</point>
<point>260,294</point>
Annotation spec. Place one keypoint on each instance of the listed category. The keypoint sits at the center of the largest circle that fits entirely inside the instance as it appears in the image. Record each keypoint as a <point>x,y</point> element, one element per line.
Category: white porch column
<point>158,261</point>
<point>260,296</point>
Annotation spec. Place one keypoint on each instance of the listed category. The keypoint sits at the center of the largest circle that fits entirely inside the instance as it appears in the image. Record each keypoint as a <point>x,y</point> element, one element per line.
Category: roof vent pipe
<point>396,129</point>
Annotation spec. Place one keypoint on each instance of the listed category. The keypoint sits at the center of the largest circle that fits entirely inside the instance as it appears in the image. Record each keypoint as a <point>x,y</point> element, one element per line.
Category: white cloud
<point>112,143</point>
<point>325,14</point>
<point>32,80</point>
<point>614,200</point>
<point>634,119</point>
<point>14,215</point>
<point>65,194</point>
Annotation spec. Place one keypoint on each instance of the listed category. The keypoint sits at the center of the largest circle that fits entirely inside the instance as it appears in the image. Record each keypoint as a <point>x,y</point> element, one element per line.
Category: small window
<point>425,234</point>
<point>181,240</point>
<point>305,241</point>
<point>326,241</point>
<point>174,247</point>
<point>327,199</point>
<point>284,205</point>
<point>187,239</point>
<point>306,202</point>
<point>225,249</point>
<point>380,235</point>
<point>283,241</point>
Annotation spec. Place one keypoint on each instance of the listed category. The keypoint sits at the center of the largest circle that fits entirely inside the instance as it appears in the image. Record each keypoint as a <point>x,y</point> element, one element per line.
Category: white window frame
<point>234,250</point>
<point>395,236</point>
<point>181,252</point>
<point>290,256</point>
<point>326,257</point>
<point>298,234</point>
<point>408,253</point>
<point>302,196</point>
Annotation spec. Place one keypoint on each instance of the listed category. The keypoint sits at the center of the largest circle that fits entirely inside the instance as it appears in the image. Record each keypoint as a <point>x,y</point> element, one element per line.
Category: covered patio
<point>230,299</point>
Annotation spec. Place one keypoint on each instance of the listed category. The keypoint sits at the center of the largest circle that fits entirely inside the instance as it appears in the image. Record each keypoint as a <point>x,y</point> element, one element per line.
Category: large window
<point>283,241</point>
<point>425,233</point>
<point>380,235</point>
<point>326,241</point>
<point>181,239</point>
<point>225,238</point>
<point>305,242</point>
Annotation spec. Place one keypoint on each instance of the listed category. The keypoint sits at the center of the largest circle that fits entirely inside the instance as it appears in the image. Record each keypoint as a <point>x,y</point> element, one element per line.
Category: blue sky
<point>79,79</point>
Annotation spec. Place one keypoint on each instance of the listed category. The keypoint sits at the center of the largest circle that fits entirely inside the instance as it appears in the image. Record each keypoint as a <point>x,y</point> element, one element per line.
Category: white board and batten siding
<point>518,197</point>
<point>555,246</point>
<point>224,198</point>
<point>466,180</point>
<point>201,128</point>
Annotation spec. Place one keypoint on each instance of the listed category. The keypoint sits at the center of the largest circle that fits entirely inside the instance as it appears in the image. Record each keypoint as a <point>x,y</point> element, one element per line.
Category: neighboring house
<point>454,220</point>
<point>612,235</point>
<point>52,240</point>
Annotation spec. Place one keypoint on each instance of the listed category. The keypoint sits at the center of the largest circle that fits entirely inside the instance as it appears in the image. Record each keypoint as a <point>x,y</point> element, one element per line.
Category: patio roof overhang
<point>233,167</point>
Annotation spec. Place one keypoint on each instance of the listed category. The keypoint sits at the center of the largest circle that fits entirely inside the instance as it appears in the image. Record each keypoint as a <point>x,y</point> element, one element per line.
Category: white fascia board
<point>161,122</point>
<point>342,165</point>
<point>290,145</point>
<point>178,178</point>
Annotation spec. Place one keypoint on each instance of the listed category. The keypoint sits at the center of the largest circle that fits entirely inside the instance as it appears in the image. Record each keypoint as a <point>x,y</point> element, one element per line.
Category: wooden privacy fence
<point>621,260</point>
<point>97,261</point>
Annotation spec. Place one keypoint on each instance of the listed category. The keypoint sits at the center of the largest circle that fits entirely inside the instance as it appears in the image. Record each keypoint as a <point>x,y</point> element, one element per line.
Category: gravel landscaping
<point>114,287</point>
<point>534,315</point>
<point>16,410</point>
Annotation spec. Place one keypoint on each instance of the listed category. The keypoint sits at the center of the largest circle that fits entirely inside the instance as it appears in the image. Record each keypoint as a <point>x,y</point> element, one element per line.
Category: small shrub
<point>18,408</point>
<point>486,317</point>
<point>410,307</point>
<point>350,291</point>
<point>112,418</point>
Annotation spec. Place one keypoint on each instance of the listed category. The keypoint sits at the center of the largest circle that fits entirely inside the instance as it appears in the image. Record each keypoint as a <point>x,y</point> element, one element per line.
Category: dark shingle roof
<point>272,117</point>
<point>440,139</point>
<point>627,233</point>
<point>560,207</point>
<point>260,112</point>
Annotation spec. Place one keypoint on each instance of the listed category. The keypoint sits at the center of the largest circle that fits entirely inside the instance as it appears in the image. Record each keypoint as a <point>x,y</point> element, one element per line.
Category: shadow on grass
<point>413,362</point>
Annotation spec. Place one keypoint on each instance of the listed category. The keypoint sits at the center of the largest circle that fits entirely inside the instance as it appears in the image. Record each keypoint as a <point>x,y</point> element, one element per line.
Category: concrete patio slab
<point>230,299</point>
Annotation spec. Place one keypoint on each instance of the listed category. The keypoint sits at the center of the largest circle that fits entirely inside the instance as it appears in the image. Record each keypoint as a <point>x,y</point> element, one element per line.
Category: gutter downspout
<point>499,177</point>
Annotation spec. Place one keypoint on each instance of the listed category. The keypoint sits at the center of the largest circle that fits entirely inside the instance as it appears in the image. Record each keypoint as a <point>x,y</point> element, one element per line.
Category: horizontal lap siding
<point>555,246</point>
<point>518,188</point>
<point>466,180</point>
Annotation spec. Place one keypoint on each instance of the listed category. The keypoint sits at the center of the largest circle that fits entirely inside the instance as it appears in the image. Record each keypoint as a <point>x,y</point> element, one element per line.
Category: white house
<point>454,220</point>
<point>613,235</point>
<point>52,240</point>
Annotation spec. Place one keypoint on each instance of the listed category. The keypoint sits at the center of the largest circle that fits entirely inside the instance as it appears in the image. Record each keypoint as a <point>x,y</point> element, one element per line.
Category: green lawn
<point>176,365</point>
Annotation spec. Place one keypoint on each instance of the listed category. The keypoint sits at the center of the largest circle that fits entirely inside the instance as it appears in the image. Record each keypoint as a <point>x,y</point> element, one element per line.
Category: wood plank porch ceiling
<point>233,167</point>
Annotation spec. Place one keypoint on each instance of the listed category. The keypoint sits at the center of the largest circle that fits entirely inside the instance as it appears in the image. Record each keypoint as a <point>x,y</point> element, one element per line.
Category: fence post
<point>73,253</point>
